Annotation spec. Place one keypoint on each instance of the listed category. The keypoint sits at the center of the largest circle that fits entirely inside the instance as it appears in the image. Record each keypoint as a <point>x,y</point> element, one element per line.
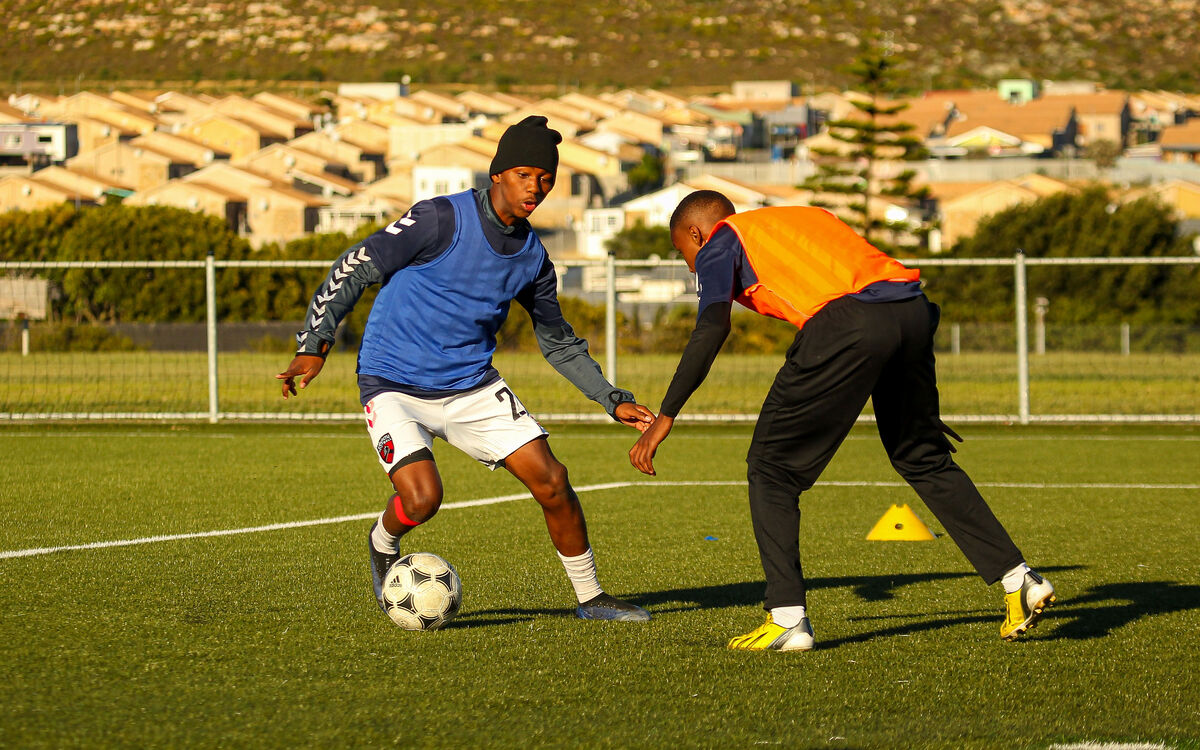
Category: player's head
<point>693,220</point>
<point>524,167</point>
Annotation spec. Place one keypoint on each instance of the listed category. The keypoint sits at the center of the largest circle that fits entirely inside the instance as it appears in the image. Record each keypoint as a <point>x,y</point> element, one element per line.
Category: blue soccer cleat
<point>381,562</point>
<point>605,607</point>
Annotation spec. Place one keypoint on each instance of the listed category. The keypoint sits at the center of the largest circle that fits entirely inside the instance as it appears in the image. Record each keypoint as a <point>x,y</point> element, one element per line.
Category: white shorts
<point>488,424</point>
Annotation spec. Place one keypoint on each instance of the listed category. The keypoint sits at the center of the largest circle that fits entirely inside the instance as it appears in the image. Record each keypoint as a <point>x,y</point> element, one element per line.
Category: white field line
<point>631,438</point>
<point>1111,746</point>
<point>522,496</point>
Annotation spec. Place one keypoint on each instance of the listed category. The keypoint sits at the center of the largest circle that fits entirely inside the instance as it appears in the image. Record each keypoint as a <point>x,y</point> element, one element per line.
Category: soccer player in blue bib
<point>450,268</point>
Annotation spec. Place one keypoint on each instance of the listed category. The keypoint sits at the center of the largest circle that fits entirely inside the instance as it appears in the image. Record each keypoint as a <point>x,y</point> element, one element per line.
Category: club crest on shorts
<point>385,448</point>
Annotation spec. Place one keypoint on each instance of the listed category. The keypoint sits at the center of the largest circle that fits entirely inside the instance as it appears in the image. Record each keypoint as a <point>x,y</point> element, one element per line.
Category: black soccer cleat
<point>381,562</point>
<point>605,607</point>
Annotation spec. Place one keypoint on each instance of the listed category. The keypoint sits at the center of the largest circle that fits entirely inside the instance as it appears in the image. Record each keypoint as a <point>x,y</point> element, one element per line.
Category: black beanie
<point>529,143</point>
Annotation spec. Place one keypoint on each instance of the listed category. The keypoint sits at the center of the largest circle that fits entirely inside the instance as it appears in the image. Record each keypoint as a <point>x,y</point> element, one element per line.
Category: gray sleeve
<point>568,354</point>
<point>335,298</point>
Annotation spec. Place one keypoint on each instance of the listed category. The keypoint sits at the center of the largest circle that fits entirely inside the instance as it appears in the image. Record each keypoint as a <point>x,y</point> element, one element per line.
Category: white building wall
<point>430,182</point>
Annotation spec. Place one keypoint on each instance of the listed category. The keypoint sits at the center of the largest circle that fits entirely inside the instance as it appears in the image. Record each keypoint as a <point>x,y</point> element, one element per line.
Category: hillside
<point>1126,44</point>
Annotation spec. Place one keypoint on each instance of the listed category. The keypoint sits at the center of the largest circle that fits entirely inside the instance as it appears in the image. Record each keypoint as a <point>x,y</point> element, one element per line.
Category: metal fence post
<point>210,303</point>
<point>1022,341</point>
<point>610,319</point>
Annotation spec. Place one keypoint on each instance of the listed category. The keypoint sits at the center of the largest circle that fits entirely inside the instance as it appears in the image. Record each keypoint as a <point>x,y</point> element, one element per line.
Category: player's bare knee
<point>419,499</point>
<point>421,503</point>
<point>553,486</point>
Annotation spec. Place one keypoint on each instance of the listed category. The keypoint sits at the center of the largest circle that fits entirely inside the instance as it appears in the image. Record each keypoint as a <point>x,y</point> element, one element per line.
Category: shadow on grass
<point>1093,613</point>
<point>507,616</point>
<point>877,588</point>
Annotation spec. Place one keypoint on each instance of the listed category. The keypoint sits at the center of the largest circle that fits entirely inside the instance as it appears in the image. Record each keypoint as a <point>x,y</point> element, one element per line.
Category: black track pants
<point>848,352</point>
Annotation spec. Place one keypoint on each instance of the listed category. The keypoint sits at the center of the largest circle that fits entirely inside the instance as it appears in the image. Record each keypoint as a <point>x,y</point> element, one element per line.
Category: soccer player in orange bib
<point>865,331</point>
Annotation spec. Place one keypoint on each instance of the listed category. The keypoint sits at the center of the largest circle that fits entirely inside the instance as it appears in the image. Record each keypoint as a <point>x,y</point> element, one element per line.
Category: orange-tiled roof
<point>1187,134</point>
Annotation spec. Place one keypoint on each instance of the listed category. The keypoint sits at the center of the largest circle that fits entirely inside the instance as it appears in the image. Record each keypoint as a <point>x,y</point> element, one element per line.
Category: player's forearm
<point>350,275</point>
<point>568,354</point>
<point>712,328</point>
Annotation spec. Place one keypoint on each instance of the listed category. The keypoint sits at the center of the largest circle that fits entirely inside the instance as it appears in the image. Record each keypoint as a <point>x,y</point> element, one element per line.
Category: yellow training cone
<point>900,524</point>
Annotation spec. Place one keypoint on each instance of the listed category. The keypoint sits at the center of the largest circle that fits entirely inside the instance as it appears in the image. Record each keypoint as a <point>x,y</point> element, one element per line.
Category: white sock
<point>788,617</point>
<point>381,540</point>
<point>581,569</point>
<point>1013,579</point>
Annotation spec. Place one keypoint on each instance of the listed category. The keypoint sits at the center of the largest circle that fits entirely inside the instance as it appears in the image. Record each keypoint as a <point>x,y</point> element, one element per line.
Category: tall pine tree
<point>865,168</point>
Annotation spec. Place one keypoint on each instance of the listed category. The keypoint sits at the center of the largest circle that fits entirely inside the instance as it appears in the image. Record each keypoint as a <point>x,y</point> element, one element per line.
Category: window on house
<point>45,139</point>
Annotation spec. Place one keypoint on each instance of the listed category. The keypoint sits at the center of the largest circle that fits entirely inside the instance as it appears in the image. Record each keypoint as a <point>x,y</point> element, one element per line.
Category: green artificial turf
<point>272,638</point>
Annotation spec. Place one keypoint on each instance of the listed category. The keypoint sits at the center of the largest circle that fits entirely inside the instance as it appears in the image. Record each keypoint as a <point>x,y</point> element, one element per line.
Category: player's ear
<point>696,235</point>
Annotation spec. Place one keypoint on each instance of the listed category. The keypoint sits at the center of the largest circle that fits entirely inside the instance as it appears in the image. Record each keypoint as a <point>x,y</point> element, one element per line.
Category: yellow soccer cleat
<point>1025,607</point>
<point>772,637</point>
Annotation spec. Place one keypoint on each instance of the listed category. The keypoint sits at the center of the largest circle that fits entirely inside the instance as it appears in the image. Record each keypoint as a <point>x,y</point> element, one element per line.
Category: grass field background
<point>972,383</point>
<point>273,639</point>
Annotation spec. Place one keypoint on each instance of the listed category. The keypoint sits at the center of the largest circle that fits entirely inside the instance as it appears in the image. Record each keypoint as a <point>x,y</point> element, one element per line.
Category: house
<point>93,133</point>
<point>445,108</point>
<point>556,110</point>
<point>213,200</point>
<point>569,125</point>
<point>1103,116</point>
<point>763,90</point>
<point>125,119</point>
<point>1181,144</point>
<point>275,211</point>
<point>180,149</point>
<point>373,139</point>
<point>322,182</point>
<point>81,103</point>
<point>347,215</point>
<point>479,103</point>
<point>412,109</point>
<point>301,169</point>
<point>360,165</point>
<point>279,159</point>
<point>296,108</point>
<point>134,102</point>
<point>396,188</point>
<point>22,192</point>
<point>176,109</point>
<point>138,168</point>
<point>10,115</point>
<point>1181,196</point>
<point>430,181</point>
<point>277,125</point>
<point>637,127</point>
<point>97,189</point>
<point>407,142</point>
<point>37,143</point>
<point>227,135</point>
<point>1047,126</point>
<point>596,108</point>
<point>473,152</point>
<point>962,208</point>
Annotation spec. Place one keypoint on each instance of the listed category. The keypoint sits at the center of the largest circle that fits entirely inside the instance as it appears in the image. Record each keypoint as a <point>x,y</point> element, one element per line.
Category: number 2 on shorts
<point>517,412</point>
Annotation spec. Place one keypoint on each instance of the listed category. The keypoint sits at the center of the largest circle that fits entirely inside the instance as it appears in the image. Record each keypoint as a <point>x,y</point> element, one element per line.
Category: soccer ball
<point>421,591</point>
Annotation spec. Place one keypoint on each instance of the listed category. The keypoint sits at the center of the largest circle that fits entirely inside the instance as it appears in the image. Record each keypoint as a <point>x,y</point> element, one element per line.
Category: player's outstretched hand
<point>634,415</point>
<point>641,455</point>
<point>947,431</point>
<point>304,366</point>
